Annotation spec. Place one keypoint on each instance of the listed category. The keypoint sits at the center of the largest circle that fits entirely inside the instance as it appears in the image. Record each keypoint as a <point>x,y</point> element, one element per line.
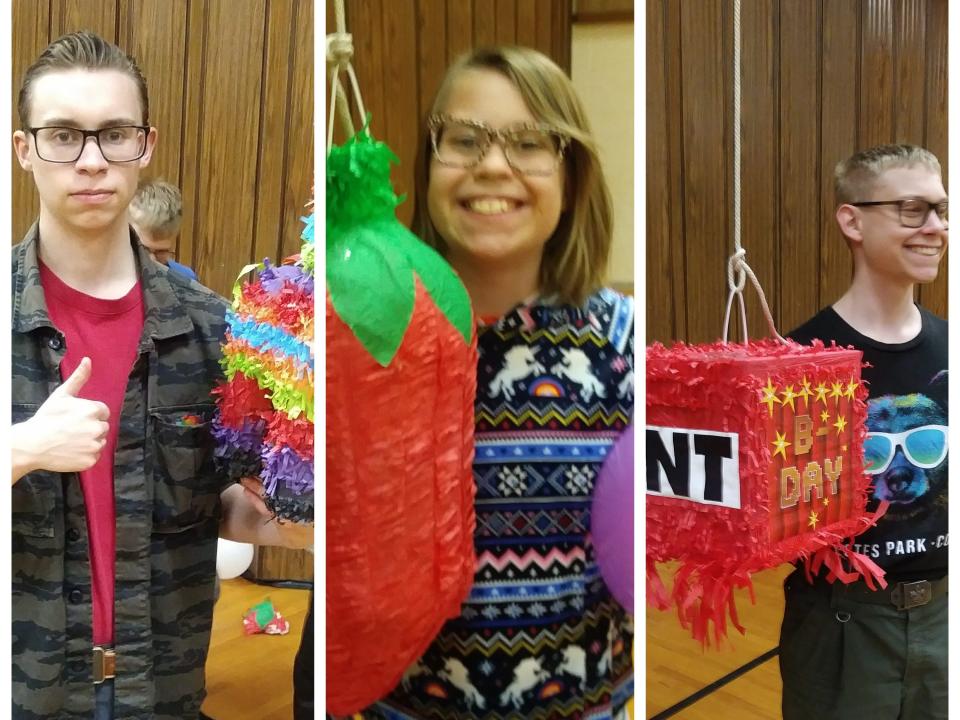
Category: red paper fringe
<point>291,308</point>
<point>240,399</point>
<point>294,434</point>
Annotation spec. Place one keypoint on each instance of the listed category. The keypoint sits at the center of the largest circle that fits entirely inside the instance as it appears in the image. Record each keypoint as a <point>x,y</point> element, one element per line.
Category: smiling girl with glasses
<point>510,190</point>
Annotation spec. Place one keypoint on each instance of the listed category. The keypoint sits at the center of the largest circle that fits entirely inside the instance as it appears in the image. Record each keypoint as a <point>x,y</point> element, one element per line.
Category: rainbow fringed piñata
<point>264,423</point>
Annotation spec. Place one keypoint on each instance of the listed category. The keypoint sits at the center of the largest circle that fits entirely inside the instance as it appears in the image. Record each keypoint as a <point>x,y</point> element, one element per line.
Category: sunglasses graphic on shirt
<point>924,446</point>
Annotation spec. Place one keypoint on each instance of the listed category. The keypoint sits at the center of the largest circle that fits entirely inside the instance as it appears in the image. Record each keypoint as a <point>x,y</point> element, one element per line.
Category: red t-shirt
<point>107,332</point>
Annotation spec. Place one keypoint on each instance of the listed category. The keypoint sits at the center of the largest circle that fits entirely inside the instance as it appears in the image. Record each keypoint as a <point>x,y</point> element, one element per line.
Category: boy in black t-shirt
<point>847,651</point>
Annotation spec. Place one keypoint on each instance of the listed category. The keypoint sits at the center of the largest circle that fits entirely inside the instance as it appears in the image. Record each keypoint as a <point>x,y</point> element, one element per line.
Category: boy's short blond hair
<point>575,257</point>
<point>157,207</point>
<point>854,178</point>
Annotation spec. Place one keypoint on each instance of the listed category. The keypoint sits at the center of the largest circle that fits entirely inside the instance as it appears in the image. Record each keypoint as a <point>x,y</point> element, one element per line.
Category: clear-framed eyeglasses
<point>913,211</point>
<point>120,143</point>
<point>530,149</point>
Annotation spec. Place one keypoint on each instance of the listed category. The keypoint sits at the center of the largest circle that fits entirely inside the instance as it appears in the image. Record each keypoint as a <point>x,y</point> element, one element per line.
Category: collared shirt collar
<point>165,316</point>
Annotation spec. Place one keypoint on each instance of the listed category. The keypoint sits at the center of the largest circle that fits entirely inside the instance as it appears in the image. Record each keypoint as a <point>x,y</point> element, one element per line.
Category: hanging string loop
<point>737,263</point>
<point>339,59</point>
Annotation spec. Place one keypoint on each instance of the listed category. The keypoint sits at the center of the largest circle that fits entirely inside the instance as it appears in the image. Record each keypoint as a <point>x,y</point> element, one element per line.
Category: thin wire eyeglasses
<point>913,212</point>
<point>62,144</point>
<point>529,148</point>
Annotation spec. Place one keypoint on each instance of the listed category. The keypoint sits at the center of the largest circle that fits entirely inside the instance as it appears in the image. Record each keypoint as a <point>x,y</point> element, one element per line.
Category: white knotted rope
<point>339,55</point>
<point>737,264</point>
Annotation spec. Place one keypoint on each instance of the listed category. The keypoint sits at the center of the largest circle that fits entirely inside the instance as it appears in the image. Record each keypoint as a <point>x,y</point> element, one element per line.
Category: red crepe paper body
<point>240,399</point>
<point>400,493</point>
<point>798,415</point>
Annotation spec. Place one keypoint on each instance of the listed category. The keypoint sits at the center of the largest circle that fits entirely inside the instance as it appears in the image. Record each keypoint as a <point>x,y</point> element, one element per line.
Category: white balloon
<point>233,558</point>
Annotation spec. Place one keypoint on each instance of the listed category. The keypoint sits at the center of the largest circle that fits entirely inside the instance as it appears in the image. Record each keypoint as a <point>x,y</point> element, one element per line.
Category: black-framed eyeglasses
<point>913,211</point>
<point>120,143</point>
<point>530,149</point>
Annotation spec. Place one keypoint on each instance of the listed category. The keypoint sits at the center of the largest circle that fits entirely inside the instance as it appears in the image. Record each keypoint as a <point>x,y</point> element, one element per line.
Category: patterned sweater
<point>539,636</point>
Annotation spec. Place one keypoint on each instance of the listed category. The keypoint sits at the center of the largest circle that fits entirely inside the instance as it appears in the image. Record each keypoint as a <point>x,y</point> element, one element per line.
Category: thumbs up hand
<point>67,433</point>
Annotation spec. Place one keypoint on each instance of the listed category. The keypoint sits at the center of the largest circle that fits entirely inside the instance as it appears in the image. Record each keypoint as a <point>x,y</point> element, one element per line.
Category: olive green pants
<point>844,659</point>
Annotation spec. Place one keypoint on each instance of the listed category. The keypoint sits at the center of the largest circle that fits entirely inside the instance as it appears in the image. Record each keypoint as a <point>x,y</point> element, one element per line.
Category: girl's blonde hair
<point>575,257</point>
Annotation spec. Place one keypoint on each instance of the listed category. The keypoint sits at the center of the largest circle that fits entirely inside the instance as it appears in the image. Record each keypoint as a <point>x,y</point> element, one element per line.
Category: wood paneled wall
<point>821,79</point>
<point>231,94</point>
<point>403,47</point>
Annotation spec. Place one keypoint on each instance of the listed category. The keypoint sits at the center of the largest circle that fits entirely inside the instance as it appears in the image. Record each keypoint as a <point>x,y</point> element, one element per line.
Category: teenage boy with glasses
<point>116,505</point>
<point>847,651</point>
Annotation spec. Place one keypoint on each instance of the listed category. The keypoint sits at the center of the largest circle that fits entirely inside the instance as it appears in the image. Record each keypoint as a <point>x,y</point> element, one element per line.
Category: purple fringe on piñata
<point>282,466</point>
<point>237,450</point>
<point>248,437</point>
<point>272,278</point>
<point>288,480</point>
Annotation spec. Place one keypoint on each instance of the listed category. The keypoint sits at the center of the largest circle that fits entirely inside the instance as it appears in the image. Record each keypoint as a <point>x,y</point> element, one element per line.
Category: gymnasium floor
<point>249,677</point>
<point>677,667</point>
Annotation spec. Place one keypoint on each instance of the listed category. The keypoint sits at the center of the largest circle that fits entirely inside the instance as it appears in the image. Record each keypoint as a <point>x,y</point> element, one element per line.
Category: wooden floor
<point>249,677</point>
<point>677,667</point>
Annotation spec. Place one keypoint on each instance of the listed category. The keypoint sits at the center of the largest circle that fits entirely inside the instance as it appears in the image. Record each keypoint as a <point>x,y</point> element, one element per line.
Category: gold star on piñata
<point>824,417</point>
<point>851,387</point>
<point>821,393</point>
<point>836,389</point>
<point>781,444</point>
<point>806,392</point>
<point>840,424</point>
<point>788,396</point>
<point>770,396</point>
<point>826,501</point>
<point>813,520</point>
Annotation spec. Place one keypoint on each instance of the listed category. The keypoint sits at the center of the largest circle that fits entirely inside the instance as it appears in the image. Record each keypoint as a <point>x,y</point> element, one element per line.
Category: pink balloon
<point>612,520</point>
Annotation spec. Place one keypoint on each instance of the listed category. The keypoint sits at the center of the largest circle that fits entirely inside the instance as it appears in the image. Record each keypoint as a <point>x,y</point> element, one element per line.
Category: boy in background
<point>155,213</point>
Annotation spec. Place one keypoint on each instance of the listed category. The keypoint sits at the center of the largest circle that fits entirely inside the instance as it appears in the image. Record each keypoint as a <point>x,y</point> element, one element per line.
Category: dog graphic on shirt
<point>907,439</point>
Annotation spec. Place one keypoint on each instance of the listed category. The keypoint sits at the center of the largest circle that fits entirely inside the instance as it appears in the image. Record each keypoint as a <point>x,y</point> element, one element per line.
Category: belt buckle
<point>913,594</point>
<point>104,664</point>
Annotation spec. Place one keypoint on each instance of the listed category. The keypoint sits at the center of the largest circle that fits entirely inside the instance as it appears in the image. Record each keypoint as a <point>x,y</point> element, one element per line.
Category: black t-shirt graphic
<point>906,445</point>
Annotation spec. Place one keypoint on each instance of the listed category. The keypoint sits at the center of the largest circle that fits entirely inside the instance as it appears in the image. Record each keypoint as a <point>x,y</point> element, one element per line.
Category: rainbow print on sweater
<point>264,422</point>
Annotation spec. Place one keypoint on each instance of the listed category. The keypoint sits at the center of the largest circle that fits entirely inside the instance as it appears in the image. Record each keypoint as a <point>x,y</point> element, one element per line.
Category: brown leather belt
<point>104,664</point>
<point>902,595</point>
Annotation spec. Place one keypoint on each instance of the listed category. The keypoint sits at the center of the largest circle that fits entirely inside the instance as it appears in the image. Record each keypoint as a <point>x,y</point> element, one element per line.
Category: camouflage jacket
<point>167,512</point>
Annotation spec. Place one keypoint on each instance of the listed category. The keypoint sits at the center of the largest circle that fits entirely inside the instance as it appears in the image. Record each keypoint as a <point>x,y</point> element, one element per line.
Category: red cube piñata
<point>754,458</point>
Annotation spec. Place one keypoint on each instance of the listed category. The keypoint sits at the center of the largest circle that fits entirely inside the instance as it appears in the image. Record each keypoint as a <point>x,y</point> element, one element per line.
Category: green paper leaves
<point>358,181</point>
<point>443,285</point>
<point>371,286</point>
<point>372,258</point>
